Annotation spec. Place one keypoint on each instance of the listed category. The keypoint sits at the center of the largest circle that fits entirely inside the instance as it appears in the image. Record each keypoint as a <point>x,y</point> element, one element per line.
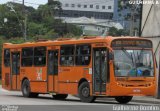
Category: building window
<point>6,57</point>
<point>67,55</point>
<point>97,6</point>
<point>40,56</point>
<point>27,57</point>
<point>85,6</point>
<point>66,5</point>
<point>103,7</point>
<point>109,7</point>
<point>91,6</point>
<point>79,5</point>
<point>83,54</point>
<point>73,5</point>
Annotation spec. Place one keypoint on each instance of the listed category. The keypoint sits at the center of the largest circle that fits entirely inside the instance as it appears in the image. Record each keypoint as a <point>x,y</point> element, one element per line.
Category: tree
<point>115,32</point>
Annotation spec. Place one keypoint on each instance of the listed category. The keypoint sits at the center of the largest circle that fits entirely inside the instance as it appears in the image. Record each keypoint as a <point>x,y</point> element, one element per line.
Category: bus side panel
<point>6,78</point>
<point>38,87</point>
<point>68,88</point>
<point>37,77</point>
<point>70,77</point>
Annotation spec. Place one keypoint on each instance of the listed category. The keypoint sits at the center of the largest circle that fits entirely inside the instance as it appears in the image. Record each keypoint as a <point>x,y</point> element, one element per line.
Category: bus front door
<point>52,70</point>
<point>99,70</point>
<point>15,70</point>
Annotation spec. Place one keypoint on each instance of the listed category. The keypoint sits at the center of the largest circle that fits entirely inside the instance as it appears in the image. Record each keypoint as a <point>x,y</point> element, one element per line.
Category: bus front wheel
<point>84,93</point>
<point>60,96</point>
<point>123,99</point>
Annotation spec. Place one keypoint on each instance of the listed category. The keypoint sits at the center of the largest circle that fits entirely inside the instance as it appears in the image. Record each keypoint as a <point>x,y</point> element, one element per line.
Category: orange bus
<point>119,67</point>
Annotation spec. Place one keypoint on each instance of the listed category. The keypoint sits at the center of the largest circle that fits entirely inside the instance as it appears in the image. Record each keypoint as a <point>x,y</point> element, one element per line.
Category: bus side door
<point>52,70</point>
<point>100,70</point>
<point>15,70</point>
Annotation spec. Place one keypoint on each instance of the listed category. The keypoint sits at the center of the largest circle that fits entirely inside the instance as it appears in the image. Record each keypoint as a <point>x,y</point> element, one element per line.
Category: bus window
<point>27,57</point>
<point>40,56</point>
<point>7,58</point>
<point>67,55</point>
<point>83,54</point>
<point>52,62</point>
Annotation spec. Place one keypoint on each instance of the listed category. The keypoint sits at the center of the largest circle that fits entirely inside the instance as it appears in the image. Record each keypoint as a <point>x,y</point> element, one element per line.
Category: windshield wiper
<point>127,54</point>
<point>139,56</point>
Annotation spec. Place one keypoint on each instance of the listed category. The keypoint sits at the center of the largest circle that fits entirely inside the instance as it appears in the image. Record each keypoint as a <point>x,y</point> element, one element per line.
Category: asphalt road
<point>46,103</point>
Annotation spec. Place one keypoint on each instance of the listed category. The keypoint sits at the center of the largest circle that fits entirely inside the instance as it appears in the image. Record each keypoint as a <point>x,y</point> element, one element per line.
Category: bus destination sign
<point>132,43</point>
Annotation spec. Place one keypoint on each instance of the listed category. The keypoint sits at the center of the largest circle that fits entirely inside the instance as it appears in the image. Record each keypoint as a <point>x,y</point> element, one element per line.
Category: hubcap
<point>85,91</point>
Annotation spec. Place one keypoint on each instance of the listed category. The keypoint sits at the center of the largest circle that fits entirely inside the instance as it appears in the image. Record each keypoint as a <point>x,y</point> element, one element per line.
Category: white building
<point>91,26</point>
<point>93,16</point>
<point>150,28</point>
<point>99,9</point>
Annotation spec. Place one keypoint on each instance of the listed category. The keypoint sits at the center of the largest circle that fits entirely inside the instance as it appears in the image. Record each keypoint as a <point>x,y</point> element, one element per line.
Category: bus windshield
<point>134,63</point>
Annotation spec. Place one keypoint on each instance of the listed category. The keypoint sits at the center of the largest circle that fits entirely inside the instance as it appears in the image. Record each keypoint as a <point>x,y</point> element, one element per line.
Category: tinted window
<point>27,57</point>
<point>53,62</point>
<point>15,63</point>
<point>6,57</point>
<point>40,56</point>
<point>67,55</point>
<point>83,54</point>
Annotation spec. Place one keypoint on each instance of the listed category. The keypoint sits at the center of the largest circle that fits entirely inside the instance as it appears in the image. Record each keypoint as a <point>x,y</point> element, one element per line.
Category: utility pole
<point>24,22</point>
<point>132,20</point>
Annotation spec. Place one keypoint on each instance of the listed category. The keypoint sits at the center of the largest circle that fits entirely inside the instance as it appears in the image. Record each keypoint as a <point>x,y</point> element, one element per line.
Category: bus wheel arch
<point>26,89</point>
<point>25,78</point>
<point>84,92</point>
<point>81,81</point>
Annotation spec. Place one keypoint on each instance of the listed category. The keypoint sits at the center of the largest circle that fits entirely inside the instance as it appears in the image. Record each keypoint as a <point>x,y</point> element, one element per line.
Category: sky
<point>33,3</point>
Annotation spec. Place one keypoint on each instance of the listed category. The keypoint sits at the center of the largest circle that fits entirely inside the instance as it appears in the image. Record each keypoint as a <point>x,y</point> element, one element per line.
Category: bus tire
<point>123,99</point>
<point>84,93</point>
<point>26,89</point>
<point>60,96</point>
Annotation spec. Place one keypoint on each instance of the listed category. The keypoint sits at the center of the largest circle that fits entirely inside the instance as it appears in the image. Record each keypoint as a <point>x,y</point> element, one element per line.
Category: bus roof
<point>65,41</point>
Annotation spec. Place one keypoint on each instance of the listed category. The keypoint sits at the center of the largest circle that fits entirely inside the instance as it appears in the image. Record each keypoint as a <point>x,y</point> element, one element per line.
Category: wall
<point>150,28</point>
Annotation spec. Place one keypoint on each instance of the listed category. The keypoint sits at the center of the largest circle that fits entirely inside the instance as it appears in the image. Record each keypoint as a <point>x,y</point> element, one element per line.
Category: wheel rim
<point>85,92</point>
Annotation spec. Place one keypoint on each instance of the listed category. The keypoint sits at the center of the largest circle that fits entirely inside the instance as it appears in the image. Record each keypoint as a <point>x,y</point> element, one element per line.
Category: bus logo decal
<point>39,74</point>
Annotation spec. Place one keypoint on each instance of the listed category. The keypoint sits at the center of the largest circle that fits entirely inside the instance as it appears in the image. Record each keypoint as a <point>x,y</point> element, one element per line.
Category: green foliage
<point>40,22</point>
<point>115,32</point>
<point>36,29</point>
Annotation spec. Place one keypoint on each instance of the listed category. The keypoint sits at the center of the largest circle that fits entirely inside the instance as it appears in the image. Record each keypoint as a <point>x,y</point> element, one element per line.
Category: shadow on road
<point>102,101</point>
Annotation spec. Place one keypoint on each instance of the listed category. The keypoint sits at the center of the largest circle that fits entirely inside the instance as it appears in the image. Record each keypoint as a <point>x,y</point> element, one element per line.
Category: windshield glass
<point>133,63</point>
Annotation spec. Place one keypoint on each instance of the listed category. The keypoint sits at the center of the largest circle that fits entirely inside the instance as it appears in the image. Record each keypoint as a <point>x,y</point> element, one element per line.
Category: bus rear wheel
<point>26,89</point>
<point>60,96</point>
<point>123,99</point>
<point>84,93</point>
